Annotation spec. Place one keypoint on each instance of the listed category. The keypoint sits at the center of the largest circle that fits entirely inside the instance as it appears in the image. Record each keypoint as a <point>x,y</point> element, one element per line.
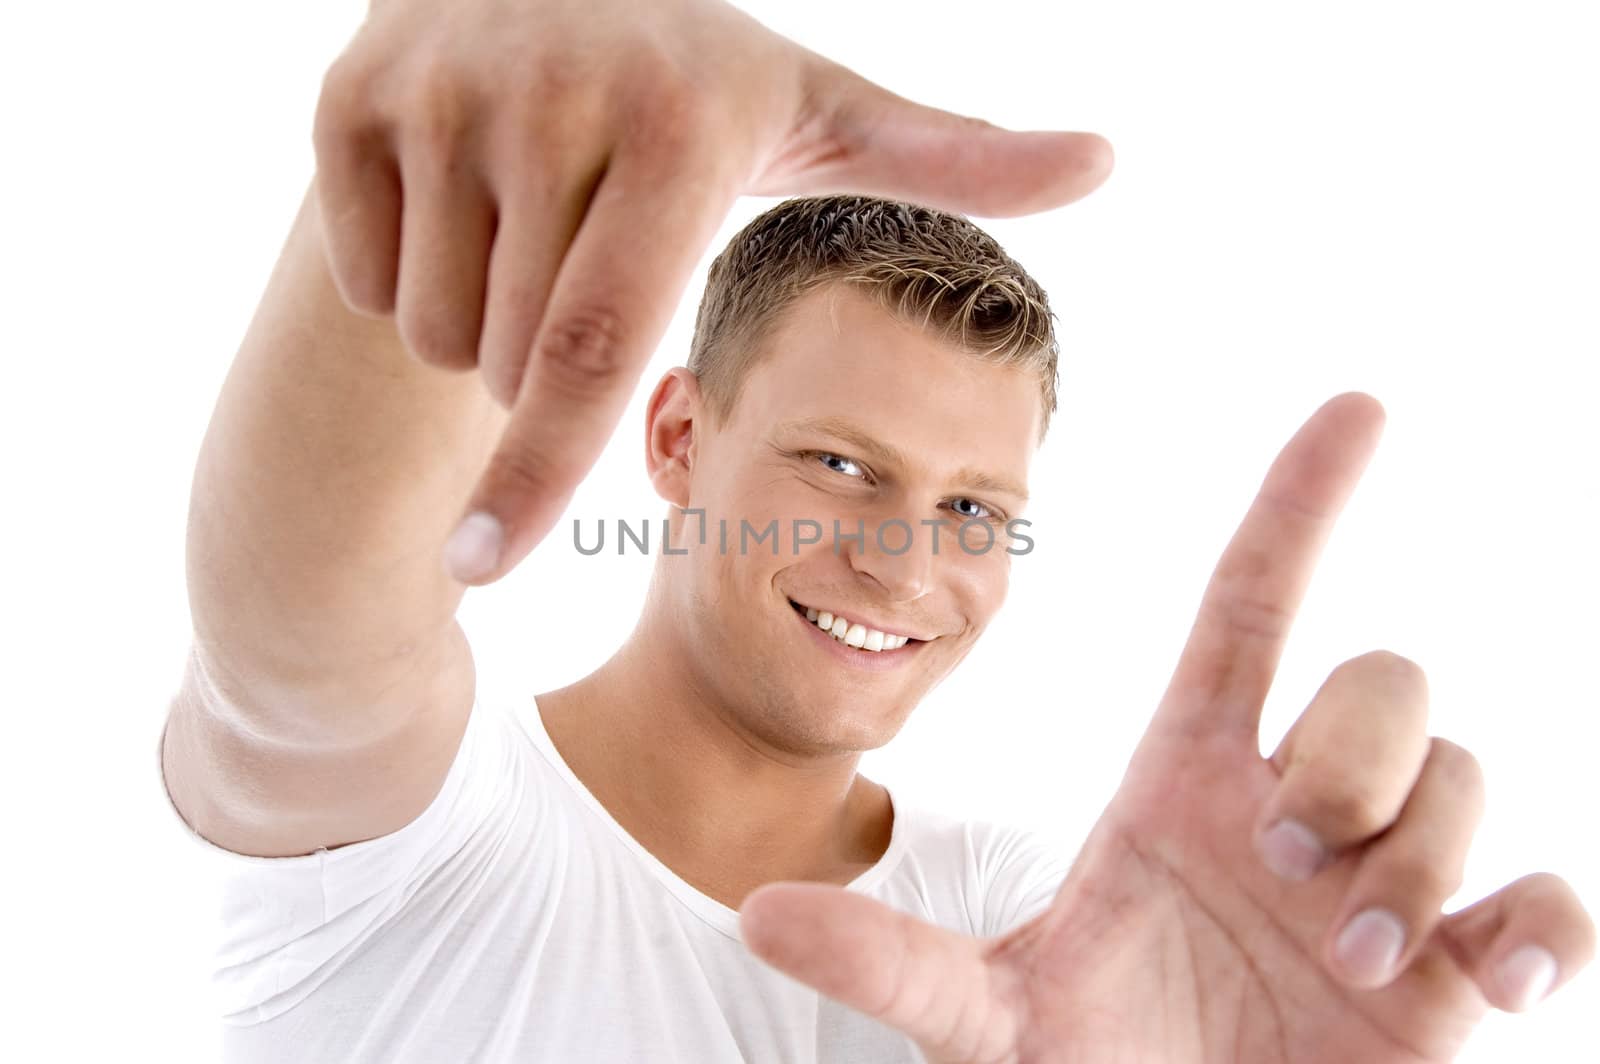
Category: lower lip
<point>866,660</point>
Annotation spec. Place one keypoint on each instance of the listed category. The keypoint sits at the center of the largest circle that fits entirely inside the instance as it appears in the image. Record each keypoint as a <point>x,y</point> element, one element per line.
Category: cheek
<point>735,578</point>
<point>980,584</point>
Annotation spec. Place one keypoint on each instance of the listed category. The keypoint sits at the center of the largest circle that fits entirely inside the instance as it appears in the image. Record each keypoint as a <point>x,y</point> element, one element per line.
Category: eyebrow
<point>849,432</point>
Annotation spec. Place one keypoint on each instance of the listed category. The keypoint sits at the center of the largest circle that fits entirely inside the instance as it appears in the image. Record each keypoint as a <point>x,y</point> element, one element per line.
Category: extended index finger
<point>615,291</point>
<point>1226,667</point>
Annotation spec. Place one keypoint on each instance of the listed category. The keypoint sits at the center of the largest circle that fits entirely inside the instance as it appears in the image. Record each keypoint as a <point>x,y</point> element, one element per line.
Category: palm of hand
<point>1171,941</point>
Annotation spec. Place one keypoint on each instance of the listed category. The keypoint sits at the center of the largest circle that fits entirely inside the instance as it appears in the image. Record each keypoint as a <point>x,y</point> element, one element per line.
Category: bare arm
<point>521,190</point>
<point>329,683</point>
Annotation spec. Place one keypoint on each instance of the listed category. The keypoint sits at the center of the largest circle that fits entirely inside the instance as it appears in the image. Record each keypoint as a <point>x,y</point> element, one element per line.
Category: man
<point>423,875</point>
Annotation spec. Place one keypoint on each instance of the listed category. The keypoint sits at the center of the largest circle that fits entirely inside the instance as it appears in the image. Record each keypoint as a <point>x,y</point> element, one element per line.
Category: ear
<point>671,418</point>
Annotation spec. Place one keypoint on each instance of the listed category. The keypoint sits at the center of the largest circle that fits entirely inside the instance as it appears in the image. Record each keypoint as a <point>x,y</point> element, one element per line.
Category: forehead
<point>838,354</point>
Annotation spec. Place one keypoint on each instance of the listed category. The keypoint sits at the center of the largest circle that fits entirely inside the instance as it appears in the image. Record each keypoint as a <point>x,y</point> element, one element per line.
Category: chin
<point>853,726</point>
<point>800,724</point>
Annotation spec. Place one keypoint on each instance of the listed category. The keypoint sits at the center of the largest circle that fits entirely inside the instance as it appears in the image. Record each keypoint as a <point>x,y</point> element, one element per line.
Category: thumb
<point>927,982</point>
<point>882,144</point>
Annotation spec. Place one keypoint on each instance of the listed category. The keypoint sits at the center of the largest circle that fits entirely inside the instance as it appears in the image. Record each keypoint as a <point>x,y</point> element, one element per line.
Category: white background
<point>1392,197</point>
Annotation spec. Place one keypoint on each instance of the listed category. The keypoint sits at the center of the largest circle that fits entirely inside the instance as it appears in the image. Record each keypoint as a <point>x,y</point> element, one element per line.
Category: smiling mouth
<point>853,634</point>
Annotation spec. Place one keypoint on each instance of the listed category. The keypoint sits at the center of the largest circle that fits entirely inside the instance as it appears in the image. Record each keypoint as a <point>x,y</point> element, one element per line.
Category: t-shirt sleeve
<point>1023,871</point>
<point>286,923</point>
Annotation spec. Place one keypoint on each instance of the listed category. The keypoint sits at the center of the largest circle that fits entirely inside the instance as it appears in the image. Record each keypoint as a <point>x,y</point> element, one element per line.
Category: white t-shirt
<point>515,920</point>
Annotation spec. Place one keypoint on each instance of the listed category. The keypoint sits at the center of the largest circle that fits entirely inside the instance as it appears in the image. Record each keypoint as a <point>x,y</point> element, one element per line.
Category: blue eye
<point>986,511</point>
<point>824,455</point>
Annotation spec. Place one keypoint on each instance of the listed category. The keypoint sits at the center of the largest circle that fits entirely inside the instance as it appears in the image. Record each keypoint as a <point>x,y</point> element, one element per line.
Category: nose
<point>895,557</point>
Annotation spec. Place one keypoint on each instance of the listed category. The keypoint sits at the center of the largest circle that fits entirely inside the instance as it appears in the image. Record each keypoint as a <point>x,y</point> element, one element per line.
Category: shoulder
<point>1021,871</point>
<point>1005,874</point>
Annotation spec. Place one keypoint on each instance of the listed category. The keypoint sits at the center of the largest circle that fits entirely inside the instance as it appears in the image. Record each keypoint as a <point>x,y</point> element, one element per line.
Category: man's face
<point>852,417</point>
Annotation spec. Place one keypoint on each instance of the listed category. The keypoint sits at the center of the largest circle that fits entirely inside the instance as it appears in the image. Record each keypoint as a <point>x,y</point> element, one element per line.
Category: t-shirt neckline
<point>712,911</point>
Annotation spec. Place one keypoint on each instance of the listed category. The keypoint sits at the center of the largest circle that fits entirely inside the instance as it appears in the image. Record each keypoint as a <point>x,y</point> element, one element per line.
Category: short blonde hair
<point>924,265</point>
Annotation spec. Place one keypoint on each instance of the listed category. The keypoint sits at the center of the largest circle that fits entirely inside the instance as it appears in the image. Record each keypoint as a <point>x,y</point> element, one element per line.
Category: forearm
<point>331,473</point>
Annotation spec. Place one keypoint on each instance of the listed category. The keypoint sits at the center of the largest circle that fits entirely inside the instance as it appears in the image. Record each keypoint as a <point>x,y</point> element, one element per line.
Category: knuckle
<point>524,472</point>
<point>558,76</point>
<point>552,96</point>
<point>344,84</point>
<point>1433,881</point>
<point>337,114</point>
<point>656,74</point>
<point>582,350</point>
<point>676,107</point>
<point>527,133</point>
<point>679,129</point>
<point>437,114</point>
<point>1348,809</point>
<point>668,112</point>
<point>1248,615</point>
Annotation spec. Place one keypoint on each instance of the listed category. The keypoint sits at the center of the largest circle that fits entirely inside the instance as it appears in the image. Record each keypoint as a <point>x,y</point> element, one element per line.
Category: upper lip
<point>862,617</point>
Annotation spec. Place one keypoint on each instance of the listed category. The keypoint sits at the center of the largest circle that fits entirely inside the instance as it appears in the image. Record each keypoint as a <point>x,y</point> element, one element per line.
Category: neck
<point>699,786</point>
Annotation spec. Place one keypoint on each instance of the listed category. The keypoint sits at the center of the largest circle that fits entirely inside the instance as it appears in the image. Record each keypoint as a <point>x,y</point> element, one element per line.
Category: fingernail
<point>1527,976</point>
<point>1291,850</point>
<point>1369,946</point>
<point>474,547</point>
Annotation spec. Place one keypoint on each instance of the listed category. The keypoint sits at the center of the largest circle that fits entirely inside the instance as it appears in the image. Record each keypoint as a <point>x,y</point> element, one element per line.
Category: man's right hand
<point>526,186</point>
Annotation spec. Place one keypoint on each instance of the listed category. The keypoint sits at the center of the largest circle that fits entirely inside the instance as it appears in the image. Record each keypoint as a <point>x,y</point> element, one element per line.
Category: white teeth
<point>855,634</point>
